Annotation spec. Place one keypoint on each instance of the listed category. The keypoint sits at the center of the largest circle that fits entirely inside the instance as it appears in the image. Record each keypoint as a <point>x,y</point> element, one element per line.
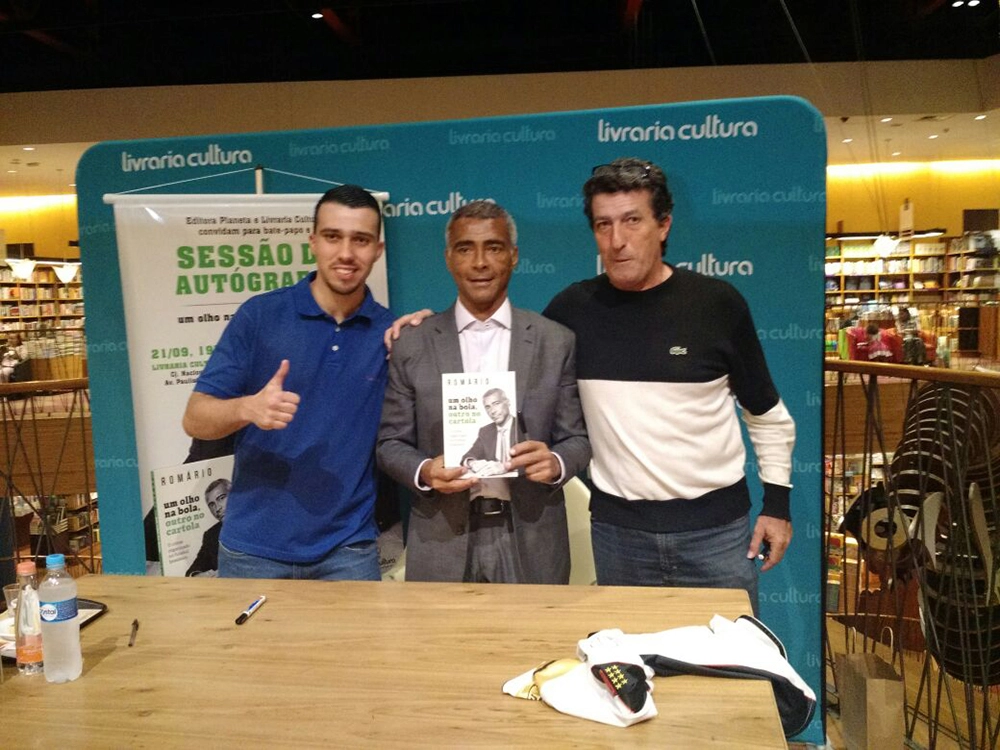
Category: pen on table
<point>254,606</point>
<point>135,629</point>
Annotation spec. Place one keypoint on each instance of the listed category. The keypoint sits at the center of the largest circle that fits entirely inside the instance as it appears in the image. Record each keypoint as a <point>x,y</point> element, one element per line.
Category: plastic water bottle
<point>27,626</point>
<point>60,625</point>
<point>943,352</point>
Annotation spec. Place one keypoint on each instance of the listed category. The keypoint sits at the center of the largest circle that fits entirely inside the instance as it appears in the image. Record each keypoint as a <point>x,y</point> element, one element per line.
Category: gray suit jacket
<point>543,354</point>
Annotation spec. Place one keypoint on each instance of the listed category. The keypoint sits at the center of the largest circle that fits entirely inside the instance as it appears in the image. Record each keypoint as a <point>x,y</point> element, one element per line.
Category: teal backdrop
<point>748,178</point>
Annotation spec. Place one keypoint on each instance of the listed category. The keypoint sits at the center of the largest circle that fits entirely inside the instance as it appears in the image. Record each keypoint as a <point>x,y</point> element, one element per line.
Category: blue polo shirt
<point>302,491</point>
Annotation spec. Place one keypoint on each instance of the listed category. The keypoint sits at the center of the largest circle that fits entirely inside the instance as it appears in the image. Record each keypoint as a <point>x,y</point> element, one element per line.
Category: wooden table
<point>350,664</point>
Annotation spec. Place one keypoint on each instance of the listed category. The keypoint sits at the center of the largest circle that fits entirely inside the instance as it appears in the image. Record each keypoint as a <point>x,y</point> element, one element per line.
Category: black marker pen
<point>254,606</point>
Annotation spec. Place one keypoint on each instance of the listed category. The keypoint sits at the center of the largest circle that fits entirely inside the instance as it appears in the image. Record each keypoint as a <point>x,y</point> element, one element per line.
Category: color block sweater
<point>663,374</point>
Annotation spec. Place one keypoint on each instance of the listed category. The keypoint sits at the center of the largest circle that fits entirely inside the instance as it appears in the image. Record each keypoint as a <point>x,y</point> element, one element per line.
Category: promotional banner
<point>187,262</point>
<point>748,181</point>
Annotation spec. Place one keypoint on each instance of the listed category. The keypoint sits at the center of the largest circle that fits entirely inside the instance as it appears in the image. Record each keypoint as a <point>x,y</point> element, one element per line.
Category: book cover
<point>480,421</point>
<point>189,501</point>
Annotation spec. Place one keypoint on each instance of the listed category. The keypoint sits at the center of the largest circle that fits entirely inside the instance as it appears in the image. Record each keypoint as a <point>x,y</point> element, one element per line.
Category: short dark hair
<point>482,209</point>
<point>352,196</point>
<point>626,175</point>
<point>216,484</point>
<point>494,392</point>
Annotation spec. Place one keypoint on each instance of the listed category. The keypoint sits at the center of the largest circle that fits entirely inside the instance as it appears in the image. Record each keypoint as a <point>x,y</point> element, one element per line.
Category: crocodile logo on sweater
<point>678,350</point>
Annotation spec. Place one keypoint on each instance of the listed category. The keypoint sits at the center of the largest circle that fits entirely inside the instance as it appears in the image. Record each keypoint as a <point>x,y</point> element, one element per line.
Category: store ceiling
<point>80,44</point>
<point>71,44</point>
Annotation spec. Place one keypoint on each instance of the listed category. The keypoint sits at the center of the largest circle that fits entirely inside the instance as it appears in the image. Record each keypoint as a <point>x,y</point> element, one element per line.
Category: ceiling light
<point>896,153</point>
<point>848,140</point>
<point>29,148</point>
<point>979,117</point>
<point>964,166</point>
<point>855,171</point>
<point>11,171</point>
<point>851,236</point>
<point>886,119</point>
<point>317,16</point>
<point>884,245</point>
<point>931,137</point>
<point>959,166</point>
<point>973,3</point>
<point>33,202</point>
<point>66,272</point>
<point>957,4</point>
<point>22,268</point>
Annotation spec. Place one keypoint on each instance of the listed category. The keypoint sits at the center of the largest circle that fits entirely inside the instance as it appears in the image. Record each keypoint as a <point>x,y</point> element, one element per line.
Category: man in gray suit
<point>497,530</point>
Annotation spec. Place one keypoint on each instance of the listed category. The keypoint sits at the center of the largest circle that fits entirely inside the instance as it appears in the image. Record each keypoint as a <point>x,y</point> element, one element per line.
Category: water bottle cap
<point>55,560</point>
<point>26,568</point>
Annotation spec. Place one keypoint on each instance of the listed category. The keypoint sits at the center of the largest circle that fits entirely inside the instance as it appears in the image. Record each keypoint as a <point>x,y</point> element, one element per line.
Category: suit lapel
<point>522,352</point>
<point>447,353</point>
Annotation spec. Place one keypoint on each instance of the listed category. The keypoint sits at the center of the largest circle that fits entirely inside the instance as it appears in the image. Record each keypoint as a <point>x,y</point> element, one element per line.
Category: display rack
<point>40,302</point>
<point>971,269</point>
<point>951,282</point>
<point>73,529</point>
<point>913,271</point>
<point>47,469</point>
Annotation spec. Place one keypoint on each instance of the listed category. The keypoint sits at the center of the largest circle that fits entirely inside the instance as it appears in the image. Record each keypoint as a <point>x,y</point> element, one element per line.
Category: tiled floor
<point>955,696</point>
<point>835,739</point>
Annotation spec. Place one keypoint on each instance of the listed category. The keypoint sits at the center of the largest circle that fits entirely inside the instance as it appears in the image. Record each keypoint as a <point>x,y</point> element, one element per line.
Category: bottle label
<point>58,611</point>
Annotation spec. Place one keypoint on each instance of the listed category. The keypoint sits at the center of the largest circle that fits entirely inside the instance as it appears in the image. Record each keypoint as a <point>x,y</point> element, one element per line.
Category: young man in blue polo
<point>299,376</point>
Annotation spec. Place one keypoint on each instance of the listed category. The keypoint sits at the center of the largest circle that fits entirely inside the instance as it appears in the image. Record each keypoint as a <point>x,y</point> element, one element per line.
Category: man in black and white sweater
<point>665,360</point>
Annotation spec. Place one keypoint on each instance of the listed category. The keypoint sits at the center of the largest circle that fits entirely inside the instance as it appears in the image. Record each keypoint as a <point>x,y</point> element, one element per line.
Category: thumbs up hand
<point>272,407</point>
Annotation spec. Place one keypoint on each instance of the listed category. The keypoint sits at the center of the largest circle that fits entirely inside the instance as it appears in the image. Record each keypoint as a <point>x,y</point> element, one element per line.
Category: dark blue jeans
<point>708,558</point>
<point>352,562</point>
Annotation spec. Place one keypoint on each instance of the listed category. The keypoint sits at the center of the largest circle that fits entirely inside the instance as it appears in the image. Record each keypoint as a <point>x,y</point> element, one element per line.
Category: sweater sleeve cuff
<point>777,499</point>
